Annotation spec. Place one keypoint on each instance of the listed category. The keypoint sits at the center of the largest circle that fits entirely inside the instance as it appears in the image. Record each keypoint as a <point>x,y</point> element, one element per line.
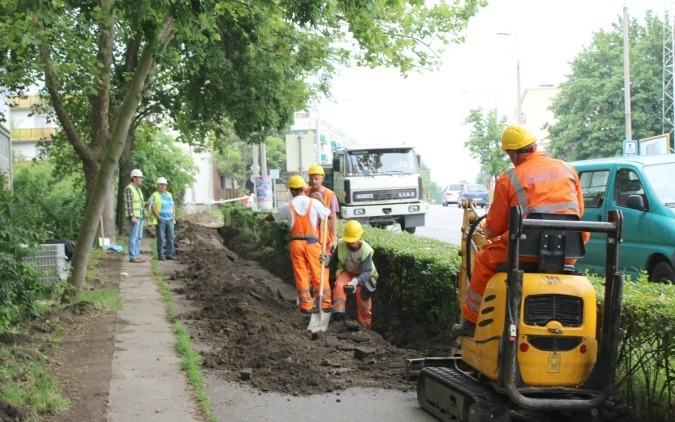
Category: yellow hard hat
<point>296,182</point>
<point>352,231</point>
<point>516,137</point>
<point>316,169</point>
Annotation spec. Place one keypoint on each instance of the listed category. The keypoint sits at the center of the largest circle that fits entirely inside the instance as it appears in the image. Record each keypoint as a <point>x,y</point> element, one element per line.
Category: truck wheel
<point>662,273</point>
<point>410,230</point>
<point>445,204</point>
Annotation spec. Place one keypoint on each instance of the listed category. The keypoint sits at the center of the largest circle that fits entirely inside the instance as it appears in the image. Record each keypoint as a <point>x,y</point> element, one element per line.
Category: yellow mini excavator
<point>542,350</point>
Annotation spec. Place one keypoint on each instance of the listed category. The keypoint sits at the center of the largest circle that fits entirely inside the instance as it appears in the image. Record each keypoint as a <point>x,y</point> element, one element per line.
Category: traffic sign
<point>630,147</point>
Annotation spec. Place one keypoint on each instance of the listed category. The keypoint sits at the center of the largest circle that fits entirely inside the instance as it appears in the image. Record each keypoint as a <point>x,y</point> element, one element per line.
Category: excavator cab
<point>537,346</point>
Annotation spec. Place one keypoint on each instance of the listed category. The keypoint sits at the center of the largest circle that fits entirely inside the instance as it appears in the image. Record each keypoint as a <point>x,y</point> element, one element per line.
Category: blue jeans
<point>135,236</point>
<point>165,233</point>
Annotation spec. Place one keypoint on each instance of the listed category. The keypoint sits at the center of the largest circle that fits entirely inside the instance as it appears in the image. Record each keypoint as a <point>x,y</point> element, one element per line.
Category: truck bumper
<point>409,215</point>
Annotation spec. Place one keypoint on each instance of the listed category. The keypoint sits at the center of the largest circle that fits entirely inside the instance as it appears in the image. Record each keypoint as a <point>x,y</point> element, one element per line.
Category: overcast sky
<point>427,111</point>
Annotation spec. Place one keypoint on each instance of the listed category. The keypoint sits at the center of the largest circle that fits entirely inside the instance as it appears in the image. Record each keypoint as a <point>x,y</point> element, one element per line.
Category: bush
<point>20,284</point>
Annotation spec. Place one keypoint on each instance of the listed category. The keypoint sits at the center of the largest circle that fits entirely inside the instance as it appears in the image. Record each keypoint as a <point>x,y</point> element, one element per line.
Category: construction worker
<point>163,218</point>
<point>539,184</point>
<point>303,215</point>
<point>317,190</point>
<point>355,273</point>
<point>134,210</point>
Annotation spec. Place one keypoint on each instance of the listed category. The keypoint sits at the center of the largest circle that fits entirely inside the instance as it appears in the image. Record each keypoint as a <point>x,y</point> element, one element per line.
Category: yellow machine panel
<point>552,351</point>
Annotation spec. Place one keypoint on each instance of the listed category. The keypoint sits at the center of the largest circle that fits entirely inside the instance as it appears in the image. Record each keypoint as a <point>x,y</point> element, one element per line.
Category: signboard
<point>300,152</point>
<point>630,147</point>
<point>656,145</point>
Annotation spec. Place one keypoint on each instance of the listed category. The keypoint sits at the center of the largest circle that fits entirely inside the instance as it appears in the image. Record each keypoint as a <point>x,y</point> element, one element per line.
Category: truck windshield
<point>398,160</point>
<point>660,178</point>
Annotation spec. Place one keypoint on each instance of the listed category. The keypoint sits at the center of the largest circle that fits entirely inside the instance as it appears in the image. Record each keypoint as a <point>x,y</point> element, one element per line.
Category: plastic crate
<point>50,261</point>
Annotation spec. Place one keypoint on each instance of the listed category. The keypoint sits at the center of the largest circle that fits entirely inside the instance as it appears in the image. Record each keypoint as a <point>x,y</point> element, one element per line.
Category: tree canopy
<point>200,63</point>
<point>484,143</point>
<point>590,105</point>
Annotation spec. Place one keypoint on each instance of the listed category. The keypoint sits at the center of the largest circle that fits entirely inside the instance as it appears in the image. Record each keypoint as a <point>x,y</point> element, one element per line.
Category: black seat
<point>551,247</point>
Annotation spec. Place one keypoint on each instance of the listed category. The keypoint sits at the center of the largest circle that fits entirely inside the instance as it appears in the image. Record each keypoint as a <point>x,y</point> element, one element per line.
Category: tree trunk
<point>103,182</point>
<point>125,167</point>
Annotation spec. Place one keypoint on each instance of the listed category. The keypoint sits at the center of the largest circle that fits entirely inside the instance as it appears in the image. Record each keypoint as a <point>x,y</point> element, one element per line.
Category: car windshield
<point>660,177</point>
<point>454,187</point>
<point>476,189</point>
<point>395,160</point>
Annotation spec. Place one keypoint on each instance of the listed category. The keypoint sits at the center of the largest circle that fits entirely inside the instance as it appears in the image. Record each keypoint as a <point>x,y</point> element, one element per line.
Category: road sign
<point>630,147</point>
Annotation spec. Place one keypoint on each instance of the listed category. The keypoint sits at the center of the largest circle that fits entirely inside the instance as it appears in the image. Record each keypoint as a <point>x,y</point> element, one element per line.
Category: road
<point>444,223</point>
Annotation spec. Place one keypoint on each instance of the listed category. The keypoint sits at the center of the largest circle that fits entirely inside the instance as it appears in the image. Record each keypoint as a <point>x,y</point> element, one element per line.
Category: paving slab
<point>148,382</point>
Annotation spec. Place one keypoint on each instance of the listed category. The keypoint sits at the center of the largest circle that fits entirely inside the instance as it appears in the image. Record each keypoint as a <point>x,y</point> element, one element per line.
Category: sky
<point>427,111</point>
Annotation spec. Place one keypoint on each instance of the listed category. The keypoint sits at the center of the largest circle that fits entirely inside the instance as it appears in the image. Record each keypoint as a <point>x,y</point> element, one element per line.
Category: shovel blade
<point>319,322</point>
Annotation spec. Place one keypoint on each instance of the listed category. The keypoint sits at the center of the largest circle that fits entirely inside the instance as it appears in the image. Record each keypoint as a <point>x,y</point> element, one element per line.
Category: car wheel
<point>445,204</point>
<point>662,273</point>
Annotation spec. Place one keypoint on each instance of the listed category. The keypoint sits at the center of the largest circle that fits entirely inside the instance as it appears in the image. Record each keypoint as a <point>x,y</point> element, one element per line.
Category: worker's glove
<point>325,259</point>
<point>332,247</point>
<point>350,287</point>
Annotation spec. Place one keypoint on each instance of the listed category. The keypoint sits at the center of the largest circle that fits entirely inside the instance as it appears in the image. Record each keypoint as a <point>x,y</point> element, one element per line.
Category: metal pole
<point>626,74</point>
<point>519,110</point>
<point>519,107</point>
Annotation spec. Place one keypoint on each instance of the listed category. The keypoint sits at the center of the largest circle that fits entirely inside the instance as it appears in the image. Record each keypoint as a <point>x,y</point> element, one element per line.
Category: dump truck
<point>379,186</point>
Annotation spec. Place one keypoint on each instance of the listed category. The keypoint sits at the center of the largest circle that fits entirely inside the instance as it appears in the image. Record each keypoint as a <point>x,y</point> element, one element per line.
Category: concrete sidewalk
<point>148,383</point>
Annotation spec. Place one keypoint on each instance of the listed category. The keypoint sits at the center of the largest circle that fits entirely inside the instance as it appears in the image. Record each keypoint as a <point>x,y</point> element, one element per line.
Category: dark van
<point>643,188</point>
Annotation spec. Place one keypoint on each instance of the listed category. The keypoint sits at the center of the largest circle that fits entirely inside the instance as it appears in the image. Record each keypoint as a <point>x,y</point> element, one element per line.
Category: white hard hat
<point>136,173</point>
<point>161,180</point>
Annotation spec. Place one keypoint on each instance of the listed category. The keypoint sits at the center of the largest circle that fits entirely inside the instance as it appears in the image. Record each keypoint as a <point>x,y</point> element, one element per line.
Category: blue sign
<point>630,147</point>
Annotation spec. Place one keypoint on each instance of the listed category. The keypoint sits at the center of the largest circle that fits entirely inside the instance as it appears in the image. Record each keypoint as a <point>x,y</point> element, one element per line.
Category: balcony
<point>32,135</point>
<point>27,102</point>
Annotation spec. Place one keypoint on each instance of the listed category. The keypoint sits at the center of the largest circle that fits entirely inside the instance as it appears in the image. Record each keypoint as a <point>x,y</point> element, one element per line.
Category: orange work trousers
<point>363,307</point>
<point>306,263</point>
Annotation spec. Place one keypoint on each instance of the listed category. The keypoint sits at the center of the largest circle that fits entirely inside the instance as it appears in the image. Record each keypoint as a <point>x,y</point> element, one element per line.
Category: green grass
<point>190,357</point>
<point>24,381</point>
<point>106,298</point>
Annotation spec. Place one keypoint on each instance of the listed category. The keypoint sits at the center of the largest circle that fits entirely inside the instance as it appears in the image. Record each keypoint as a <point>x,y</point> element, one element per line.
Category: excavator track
<point>450,395</point>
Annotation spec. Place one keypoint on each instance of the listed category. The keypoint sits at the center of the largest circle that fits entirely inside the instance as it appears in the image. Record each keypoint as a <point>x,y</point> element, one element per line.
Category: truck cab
<point>379,186</point>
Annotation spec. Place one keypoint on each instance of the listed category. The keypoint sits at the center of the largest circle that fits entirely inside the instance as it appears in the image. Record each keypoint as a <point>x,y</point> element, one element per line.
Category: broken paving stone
<point>370,360</point>
<point>331,341</point>
<point>246,374</point>
<point>326,362</point>
<point>362,352</point>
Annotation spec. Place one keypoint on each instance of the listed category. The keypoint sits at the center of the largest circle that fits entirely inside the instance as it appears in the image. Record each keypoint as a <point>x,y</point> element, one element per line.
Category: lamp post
<point>518,104</point>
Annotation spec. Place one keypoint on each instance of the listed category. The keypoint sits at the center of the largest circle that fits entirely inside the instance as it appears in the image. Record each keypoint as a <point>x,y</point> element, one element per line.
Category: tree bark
<point>103,182</point>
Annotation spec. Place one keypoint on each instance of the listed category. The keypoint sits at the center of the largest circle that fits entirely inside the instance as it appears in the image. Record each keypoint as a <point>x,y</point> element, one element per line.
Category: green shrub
<point>20,284</point>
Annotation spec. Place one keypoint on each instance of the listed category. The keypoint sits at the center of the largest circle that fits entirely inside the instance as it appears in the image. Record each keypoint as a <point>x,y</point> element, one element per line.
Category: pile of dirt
<point>242,326</point>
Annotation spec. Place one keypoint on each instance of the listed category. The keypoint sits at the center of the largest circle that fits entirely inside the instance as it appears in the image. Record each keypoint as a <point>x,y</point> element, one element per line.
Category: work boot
<point>161,258</point>
<point>465,329</point>
<point>314,310</point>
<point>169,258</point>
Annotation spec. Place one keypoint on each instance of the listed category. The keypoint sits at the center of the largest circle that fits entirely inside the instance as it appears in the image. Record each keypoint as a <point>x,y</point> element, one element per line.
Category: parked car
<point>478,193</point>
<point>642,188</point>
<point>451,194</point>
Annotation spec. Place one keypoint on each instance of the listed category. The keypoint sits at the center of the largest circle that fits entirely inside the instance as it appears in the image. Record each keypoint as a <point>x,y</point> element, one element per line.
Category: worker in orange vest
<point>303,215</point>
<point>317,190</point>
<point>539,184</point>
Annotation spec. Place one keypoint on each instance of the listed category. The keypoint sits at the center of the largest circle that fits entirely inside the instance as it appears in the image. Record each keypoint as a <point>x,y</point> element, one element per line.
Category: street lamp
<point>518,104</point>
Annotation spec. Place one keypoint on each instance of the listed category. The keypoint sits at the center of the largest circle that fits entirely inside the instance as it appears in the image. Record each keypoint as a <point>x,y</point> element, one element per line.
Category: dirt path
<point>246,331</point>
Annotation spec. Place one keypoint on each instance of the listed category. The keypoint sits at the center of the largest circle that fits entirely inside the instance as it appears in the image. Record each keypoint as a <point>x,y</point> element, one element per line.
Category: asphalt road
<point>443,223</point>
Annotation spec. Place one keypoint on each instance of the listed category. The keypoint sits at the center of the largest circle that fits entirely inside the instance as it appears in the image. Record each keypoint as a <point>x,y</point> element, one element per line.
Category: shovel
<point>319,321</point>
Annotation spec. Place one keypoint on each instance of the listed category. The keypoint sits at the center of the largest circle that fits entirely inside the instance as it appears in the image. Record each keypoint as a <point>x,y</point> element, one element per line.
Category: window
<point>627,183</point>
<point>593,187</point>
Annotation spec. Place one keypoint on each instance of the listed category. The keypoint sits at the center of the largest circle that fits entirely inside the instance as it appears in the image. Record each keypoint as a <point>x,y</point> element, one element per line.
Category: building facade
<point>5,141</point>
<point>536,111</point>
<point>29,124</point>
<point>312,140</point>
